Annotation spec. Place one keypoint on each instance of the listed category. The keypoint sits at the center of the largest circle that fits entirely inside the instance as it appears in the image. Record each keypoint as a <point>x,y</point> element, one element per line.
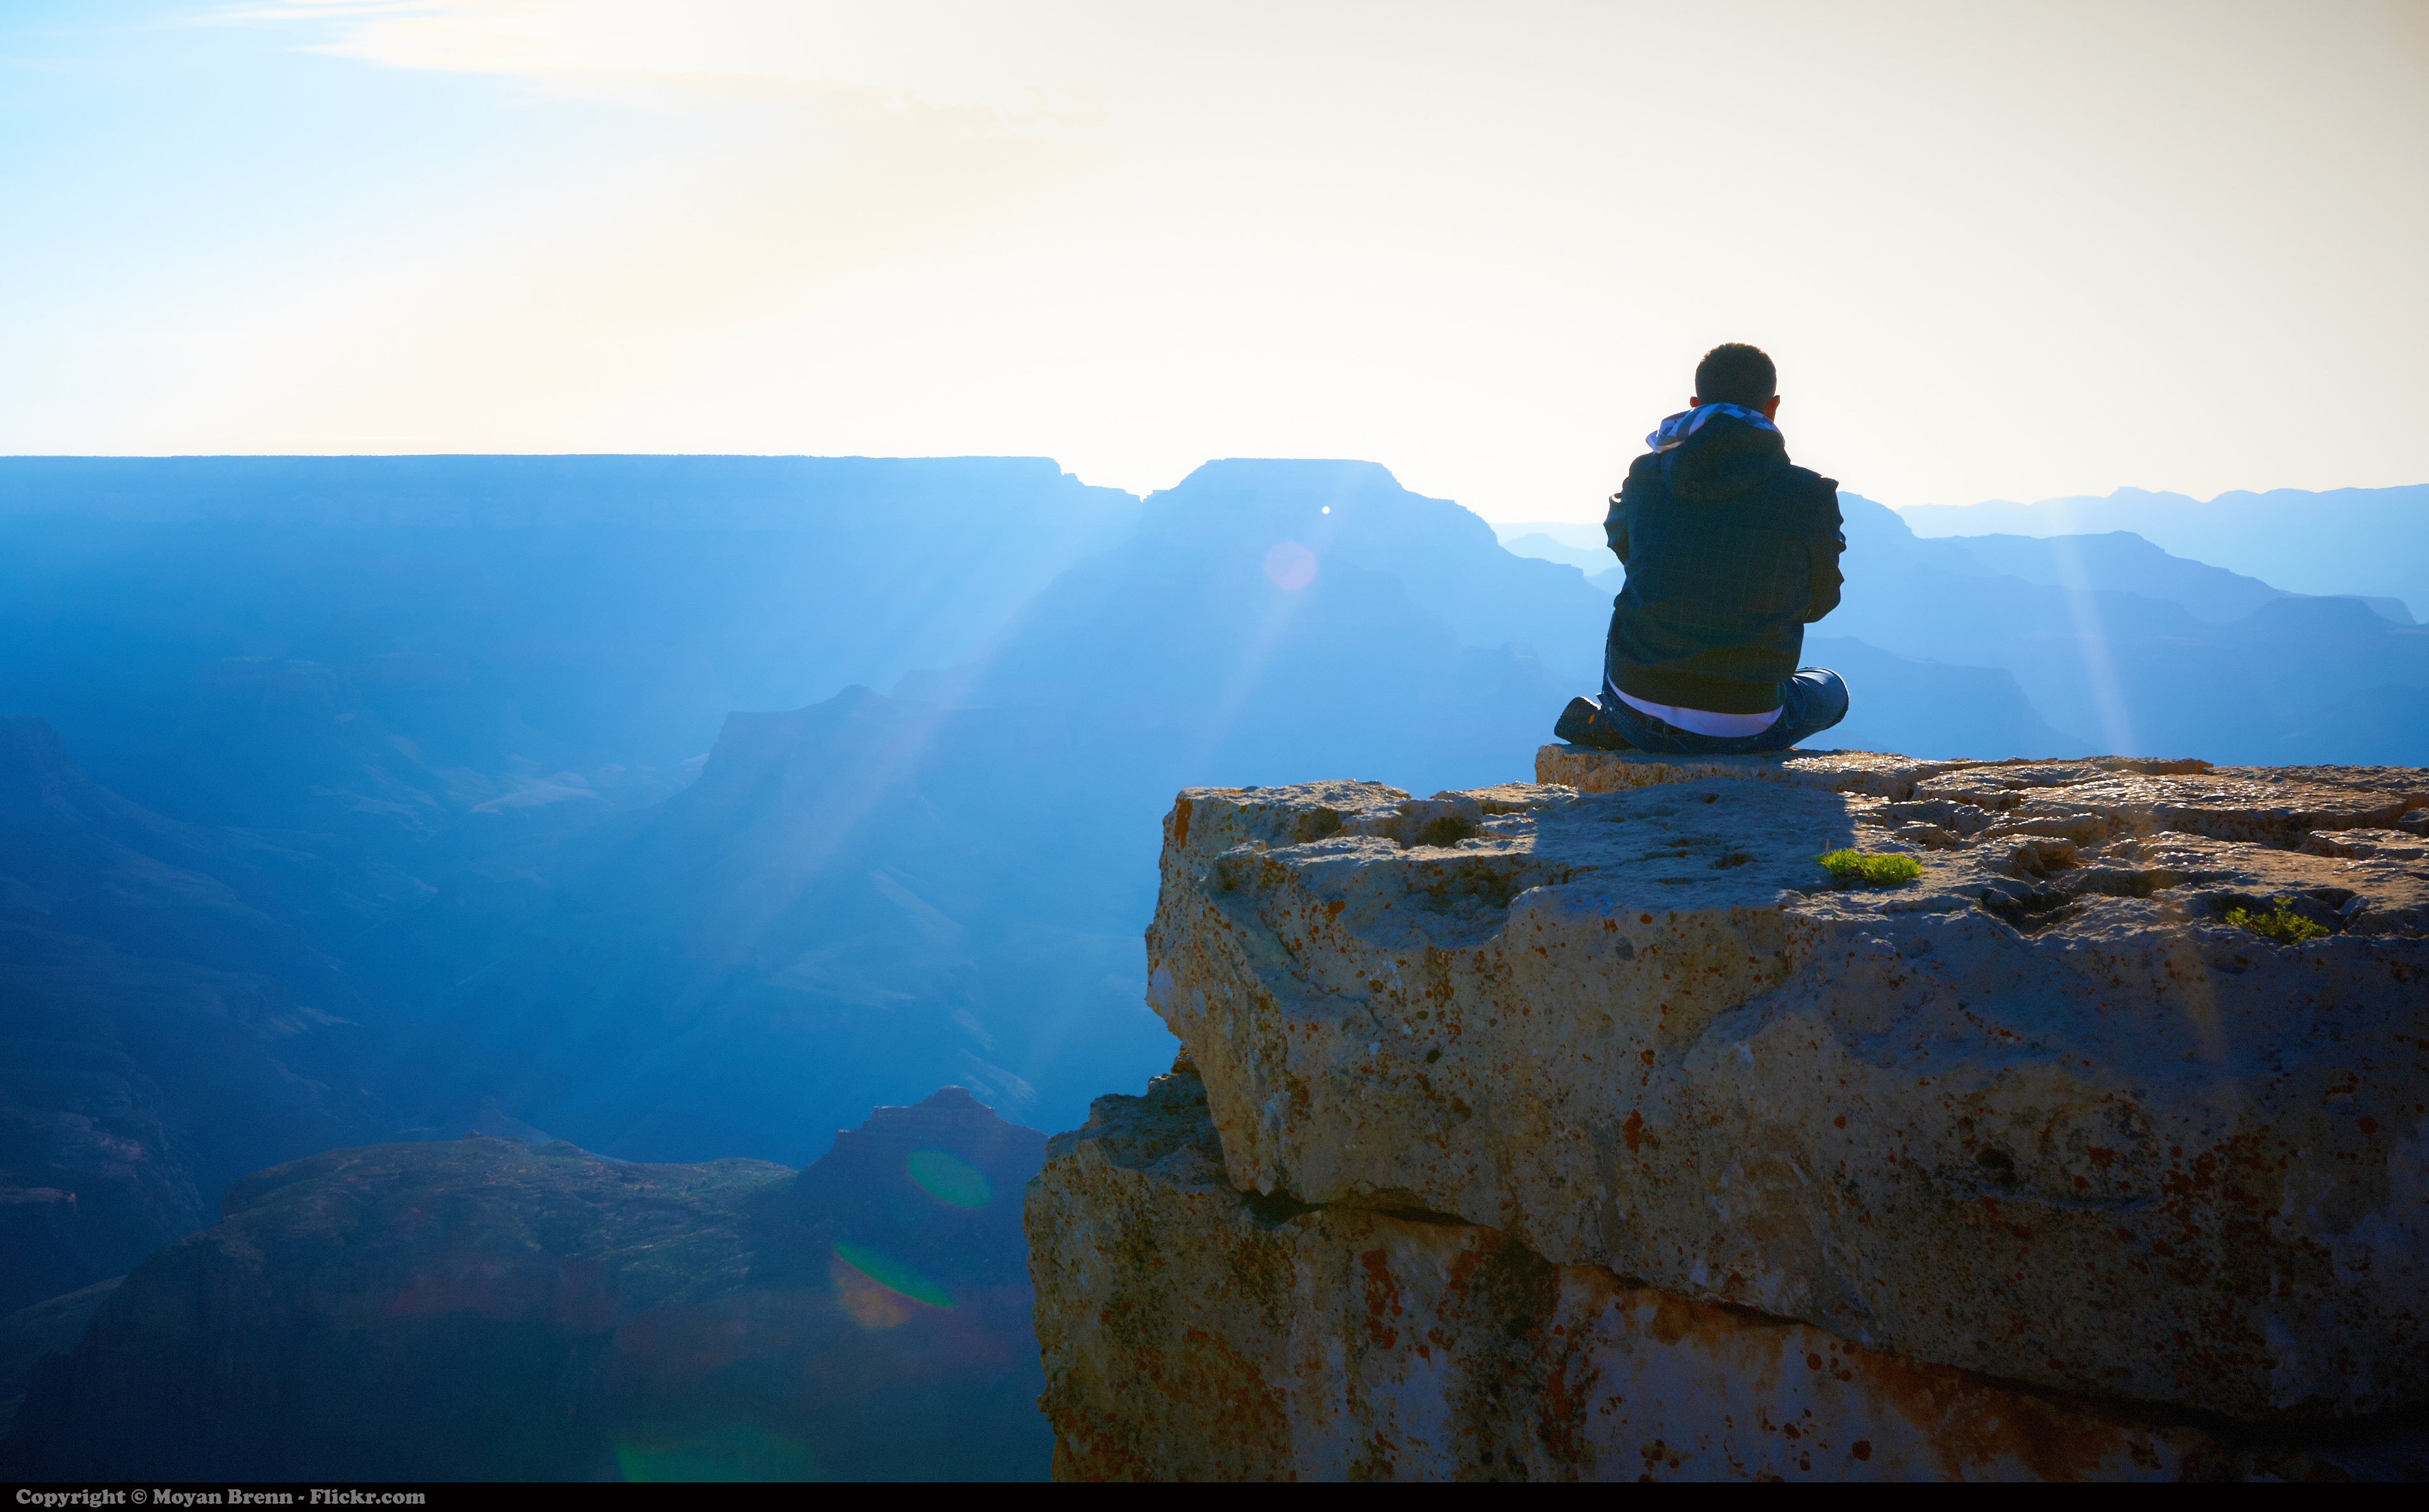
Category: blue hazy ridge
<point>166,1021</point>
<point>2369,541</point>
<point>2132,670</point>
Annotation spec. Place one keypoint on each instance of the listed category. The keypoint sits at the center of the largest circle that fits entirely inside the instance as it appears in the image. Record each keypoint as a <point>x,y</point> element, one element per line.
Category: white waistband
<point>1702,721</point>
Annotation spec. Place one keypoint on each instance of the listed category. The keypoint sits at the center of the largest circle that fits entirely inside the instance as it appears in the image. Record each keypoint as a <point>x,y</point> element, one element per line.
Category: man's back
<point>1732,551</point>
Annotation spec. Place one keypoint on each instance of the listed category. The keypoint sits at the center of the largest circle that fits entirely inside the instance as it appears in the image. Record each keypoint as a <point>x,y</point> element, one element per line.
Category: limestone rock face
<point>1192,1331</point>
<point>2043,1113</point>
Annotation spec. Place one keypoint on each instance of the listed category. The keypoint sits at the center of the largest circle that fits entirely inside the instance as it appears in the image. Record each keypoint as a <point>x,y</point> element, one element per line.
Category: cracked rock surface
<point>2043,1113</point>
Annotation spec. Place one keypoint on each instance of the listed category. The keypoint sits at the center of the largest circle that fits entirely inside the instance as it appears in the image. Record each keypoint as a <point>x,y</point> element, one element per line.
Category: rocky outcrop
<point>49,1327</point>
<point>2115,1108</point>
<point>1233,1338</point>
<point>484,1309</point>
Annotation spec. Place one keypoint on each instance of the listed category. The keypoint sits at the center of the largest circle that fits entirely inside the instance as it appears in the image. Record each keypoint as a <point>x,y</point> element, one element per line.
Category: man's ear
<point>1771,408</point>
<point>1694,403</point>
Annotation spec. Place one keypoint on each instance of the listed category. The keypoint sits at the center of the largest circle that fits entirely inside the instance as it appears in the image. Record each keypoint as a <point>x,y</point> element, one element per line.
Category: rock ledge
<point>2043,1116</point>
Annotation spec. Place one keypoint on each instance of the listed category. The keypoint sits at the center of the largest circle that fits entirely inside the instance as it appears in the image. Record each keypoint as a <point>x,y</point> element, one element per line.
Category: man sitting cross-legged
<point>1730,553</point>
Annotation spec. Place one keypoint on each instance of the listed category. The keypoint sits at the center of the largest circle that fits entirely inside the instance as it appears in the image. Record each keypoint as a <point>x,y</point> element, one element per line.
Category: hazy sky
<point>2010,250</point>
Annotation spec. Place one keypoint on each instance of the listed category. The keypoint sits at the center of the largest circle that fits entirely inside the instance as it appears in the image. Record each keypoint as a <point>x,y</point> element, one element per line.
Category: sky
<point>1998,251</point>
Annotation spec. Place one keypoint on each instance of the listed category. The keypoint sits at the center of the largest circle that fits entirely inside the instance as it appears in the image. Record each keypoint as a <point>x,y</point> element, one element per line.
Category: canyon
<point>687,808</point>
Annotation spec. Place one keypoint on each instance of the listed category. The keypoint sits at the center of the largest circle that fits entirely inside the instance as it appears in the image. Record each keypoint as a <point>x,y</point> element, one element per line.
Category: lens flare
<point>893,1274</point>
<point>740,1451</point>
<point>873,1307</point>
<point>1291,566</point>
<point>949,1178</point>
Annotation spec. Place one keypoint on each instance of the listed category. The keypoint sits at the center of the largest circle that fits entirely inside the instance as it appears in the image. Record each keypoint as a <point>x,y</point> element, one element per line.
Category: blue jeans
<point>1809,702</point>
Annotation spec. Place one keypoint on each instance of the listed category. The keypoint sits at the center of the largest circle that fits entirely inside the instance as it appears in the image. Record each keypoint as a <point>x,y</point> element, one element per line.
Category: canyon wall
<point>1592,1127</point>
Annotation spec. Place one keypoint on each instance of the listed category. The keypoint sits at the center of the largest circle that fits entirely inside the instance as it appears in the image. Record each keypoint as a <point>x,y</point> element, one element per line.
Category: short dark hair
<point>1736,373</point>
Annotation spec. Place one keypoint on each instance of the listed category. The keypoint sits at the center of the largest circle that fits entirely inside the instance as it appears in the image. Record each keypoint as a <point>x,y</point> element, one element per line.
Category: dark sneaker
<point>1583,723</point>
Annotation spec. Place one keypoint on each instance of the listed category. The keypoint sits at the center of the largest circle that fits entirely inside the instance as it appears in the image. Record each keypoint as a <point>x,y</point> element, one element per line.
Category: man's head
<point>1736,373</point>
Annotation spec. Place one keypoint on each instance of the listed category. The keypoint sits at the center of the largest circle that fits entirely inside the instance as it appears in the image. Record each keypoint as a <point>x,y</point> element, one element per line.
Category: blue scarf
<point>1675,431</point>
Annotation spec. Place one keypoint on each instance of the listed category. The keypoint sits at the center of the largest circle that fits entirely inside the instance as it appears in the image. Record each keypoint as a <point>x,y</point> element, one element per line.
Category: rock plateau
<point>1589,1128</point>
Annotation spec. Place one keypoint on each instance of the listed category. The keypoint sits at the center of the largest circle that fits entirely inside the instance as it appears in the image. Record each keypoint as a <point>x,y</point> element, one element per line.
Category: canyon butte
<point>1592,1127</point>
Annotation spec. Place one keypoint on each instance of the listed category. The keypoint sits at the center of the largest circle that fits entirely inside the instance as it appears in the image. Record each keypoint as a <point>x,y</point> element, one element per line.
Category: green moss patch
<point>2280,924</point>
<point>1873,871</point>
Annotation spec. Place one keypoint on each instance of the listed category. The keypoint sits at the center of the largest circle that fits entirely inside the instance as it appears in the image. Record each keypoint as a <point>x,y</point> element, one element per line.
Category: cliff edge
<point>1590,1127</point>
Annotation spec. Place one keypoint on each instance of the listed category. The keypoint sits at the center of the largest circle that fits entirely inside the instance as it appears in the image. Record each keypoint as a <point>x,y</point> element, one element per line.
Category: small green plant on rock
<point>2280,924</point>
<point>1873,871</point>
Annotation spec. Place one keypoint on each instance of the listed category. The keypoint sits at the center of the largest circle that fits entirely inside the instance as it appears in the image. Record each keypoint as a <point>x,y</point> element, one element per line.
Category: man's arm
<point>1615,523</point>
<point>1822,553</point>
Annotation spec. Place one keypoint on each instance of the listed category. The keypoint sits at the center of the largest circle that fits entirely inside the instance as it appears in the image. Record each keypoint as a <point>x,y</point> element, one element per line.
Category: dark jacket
<point>1730,553</point>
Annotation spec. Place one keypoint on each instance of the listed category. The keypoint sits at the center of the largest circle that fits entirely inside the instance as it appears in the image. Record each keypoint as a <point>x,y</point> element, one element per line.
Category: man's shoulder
<point>1808,490</point>
<point>1803,502</point>
<point>1643,474</point>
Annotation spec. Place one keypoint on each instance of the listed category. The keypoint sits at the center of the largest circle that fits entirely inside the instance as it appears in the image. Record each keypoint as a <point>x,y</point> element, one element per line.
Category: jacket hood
<point>1722,458</point>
